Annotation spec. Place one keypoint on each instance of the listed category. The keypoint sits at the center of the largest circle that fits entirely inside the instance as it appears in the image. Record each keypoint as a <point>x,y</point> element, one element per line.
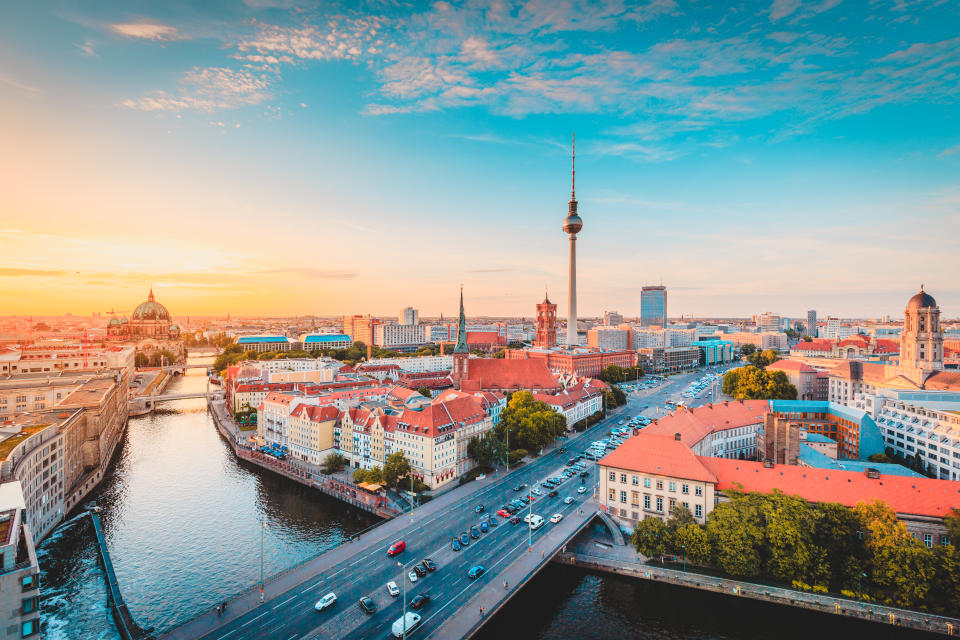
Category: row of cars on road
<point>648,382</point>
<point>698,385</point>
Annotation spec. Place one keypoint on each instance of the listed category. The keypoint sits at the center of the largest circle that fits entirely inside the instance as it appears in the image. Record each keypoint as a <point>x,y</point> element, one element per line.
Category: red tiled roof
<point>569,397</point>
<point>430,419</point>
<point>499,373</point>
<point>315,414</point>
<point>816,345</point>
<point>791,365</point>
<point>887,346</point>
<point>659,454</point>
<point>695,424</point>
<point>485,337</point>
<point>906,495</point>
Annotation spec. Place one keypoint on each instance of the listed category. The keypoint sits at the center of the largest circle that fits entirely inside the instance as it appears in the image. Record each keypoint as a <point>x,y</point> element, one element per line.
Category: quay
<point>125,623</point>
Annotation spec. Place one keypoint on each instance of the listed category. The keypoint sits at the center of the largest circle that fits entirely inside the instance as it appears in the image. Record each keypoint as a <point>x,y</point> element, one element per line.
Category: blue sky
<point>300,157</point>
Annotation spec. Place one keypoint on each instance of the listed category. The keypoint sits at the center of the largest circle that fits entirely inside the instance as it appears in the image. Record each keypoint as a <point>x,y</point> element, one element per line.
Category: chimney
<point>676,437</point>
<point>768,464</point>
<point>873,473</point>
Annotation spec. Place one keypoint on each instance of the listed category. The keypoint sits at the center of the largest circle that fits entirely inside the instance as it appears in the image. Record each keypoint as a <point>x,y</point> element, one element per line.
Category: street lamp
<point>860,577</point>
<point>683,546</point>
<point>263,527</point>
<point>403,580</point>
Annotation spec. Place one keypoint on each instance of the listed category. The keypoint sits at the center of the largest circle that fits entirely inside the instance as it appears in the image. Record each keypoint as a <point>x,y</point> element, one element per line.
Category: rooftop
<point>658,454</point>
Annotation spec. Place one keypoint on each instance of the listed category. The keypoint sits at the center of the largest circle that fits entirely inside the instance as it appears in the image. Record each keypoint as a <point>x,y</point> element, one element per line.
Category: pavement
<point>362,568</point>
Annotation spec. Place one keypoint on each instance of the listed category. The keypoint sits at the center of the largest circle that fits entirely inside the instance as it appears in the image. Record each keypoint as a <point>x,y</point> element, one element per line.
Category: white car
<point>325,601</point>
<point>555,518</point>
<point>580,489</point>
<point>413,576</point>
<point>537,492</point>
<point>393,589</point>
<point>569,499</point>
<point>528,517</point>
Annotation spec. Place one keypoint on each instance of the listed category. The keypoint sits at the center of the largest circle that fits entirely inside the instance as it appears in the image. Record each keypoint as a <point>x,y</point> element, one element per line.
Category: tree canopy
<point>531,424</point>
<point>752,383</point>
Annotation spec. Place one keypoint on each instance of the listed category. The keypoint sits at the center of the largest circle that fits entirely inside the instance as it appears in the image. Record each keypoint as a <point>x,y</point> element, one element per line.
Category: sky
<point>296,157</point>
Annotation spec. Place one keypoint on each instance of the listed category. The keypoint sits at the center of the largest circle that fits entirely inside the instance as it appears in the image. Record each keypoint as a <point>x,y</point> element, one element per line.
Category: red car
<point>396,548</point>
<point>503,513</point>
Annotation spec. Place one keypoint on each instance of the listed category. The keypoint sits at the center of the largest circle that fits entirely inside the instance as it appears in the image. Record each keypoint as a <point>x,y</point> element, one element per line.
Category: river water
<point>183,522</point>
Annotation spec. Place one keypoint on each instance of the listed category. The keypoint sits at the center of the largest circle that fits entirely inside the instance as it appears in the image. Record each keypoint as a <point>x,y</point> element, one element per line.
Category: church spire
<point>150,297</point>
<point>462,329</point>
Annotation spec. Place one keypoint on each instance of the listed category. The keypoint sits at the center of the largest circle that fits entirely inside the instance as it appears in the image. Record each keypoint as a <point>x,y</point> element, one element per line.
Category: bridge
<point>175,368</point>
<point>509,552</point>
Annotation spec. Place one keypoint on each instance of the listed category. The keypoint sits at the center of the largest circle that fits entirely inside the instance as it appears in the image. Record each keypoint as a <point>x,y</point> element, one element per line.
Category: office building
<point>653,306</point>
<point>409,315</point>
<point>399,336</point>
<point>609,338</point>
<point>359,328</point>
<point>812,323</point>
<point>612,319</point>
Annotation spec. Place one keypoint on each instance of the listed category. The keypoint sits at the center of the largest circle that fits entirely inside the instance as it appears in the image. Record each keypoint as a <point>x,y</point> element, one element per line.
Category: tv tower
<point>572,225</point>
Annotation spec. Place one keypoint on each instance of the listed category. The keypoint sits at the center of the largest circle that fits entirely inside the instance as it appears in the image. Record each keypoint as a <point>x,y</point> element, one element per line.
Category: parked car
<point>367,605</point>
<point>504,513</point>
<point>474,532</point>
<point>581,489</point>
<point>455,545</point>
<point>419,601</point>
<point>429,565</point>
<point>552,494</point>
<point>515,520</point>
<point>476,571</point>
<point>479,508</point>
<point>404,625</point>
<point>326,601</point>
<point>420,571</point>
<point>393,589</point>
<point>396,548</point>
<point>412,576</point>
<point>484,527</point>
<point>464,539</point>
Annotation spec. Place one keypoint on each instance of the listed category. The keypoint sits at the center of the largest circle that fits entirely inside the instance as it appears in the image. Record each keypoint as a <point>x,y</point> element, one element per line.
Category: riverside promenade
<point>587,553</point>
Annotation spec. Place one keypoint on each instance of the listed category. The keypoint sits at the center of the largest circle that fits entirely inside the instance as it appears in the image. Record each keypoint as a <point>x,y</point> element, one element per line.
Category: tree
<point>736,536</point>
<point>761,359</point>
<point>140,360</point>
<point>752,383</point>
<point>807,339</point>
<point>334,463</point>
<point>395,467</point>
<point>531,424</point>
<point>425,392</point>
<point>613,374</point>
<point>374,475</point>
<point>952,523</point>
<point>651,537</point>
<point>486,450</point>
<point>837,532</point>
<point>791,552</point>
<point>690,540</point>
<point>747,349</point>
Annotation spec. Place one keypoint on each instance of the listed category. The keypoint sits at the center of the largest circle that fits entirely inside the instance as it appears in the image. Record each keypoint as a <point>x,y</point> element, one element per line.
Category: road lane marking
<point>227,634</point>
<point>284,602</point>
<point>254,620</point>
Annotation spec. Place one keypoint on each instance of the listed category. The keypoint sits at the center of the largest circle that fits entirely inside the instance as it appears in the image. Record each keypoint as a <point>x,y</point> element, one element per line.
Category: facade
<point>922,425</point>
<point>19,569</point>
<point>714,351</point>
<point>609,338</point>
<point>408,315</point>
<point>667,359</point>
<point>767,321</point>
<point>261,344</point>
<point>399,336</point>
<point>546,324</point>
<point>576,403</point>
<point>836,329</point>
<point>311,432</point>
<point>806,379</point>
<point>579,362</point>
<point>812,323</point>
<point>57,358</point>
<point>855,432</point>
<point>761,340</point>
<point>612,319</point>
<point>359,328</point>
<point>653,306</point>
<point>312,341</point>
<point>420,364</point>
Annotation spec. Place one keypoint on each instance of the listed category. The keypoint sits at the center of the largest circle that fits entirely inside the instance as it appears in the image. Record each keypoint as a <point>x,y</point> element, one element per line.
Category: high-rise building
<point>612,319</point>
<point>572,225</point>
<point>409,315</point>
<point>812,323</point>
<point>767,321</point>
<point>359,328</point>
<point>653,306</point>
<point>546,324</point>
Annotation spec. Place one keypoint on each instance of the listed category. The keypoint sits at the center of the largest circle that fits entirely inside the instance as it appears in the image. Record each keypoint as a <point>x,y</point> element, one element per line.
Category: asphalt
<point>362,568</point>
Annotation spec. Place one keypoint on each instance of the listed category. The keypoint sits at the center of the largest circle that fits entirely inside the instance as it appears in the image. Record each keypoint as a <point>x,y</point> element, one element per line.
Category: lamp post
<point>529,530</point>
<point>683,546</point>
<point>860,577</point>
<point>403,580</point>
<point>263,527</point>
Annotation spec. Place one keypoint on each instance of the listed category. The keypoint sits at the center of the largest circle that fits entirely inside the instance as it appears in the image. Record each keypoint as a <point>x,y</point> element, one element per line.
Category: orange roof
<point>791,365</point>
<point>316,414</point>
<point>499,373</point>
<point>906,495</point>
<point>816,345</point>
<point>429,420</point>
<point>658,454</point>
<point>695,424</point>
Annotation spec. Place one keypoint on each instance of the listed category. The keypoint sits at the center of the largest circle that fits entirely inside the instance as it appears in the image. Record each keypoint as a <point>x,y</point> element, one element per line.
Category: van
<point>412,621</point>
<point>535,522</point>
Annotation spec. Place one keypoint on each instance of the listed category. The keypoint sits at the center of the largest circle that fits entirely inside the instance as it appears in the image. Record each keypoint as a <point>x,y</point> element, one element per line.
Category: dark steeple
<point>462,329</point>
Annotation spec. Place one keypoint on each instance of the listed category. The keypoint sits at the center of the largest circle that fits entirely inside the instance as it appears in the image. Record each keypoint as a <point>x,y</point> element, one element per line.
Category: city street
<point>289,613</point>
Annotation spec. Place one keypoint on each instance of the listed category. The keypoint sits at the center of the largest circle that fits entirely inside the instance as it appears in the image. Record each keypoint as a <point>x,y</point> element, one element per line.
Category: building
<point>836,329</point>
<point>19,569</point>
<point>612,319</point>
<point>421,364</point>
<point>581,362</point>
<point>714,351</point>
<point>572,225</point>
<point>261,343</point>
<point>486,341</point>
<point>662,337</point>
<point>56,357</point>
<point>311,341</point>
<point>653,306</point>
<point>812,323</point>
<point>575,403</point>
<point>854,347</point>
<point>359,328</point>
<point>668,359</point>
<point>767,321</point>
<point>149,320</point>
<point>921,425</point>
<point>400,336</point>
<point>311,432</point>
<point>726,430</point>
<point>807,380</point>
<point>609,338</point>
<point>409,315</point>
<point>762,340</point>
<point>855,432</point>
<point>546,324</point>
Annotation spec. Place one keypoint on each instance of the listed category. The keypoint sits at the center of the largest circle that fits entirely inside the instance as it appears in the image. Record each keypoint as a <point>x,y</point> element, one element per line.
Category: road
<point>365,572</point>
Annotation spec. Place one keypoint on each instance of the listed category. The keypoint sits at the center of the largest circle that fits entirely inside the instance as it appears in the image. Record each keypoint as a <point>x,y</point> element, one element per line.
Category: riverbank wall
<point>739,589</point>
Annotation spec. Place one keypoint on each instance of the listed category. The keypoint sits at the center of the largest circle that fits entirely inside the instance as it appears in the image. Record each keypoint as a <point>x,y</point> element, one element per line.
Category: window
<point>646,502</point>
<point>684,488</point>
<point>928,539</point>
<point>30,605</point>
<point>673,486</point>
<point>659,484</point>
<point>635,480</point>
<point>698,511</point>
<point>634,498</point>
<point>623,478</point>
<point>646,482</point>
<point>613,476</point>
<point>623,496</point>
<point>698,491</point>
<point>659,503</point>
<point>613,494</point>
<point>30,627</point>
<point>29,582</point>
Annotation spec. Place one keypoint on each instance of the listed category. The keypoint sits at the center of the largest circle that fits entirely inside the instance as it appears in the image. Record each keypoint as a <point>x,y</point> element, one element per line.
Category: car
<point>484,526</point>
<point>326,601</point>
<point>476,571</point>
<point>518,487</point>
<point>552,494</point>
<point>571,462</point>
<point>367,605</point>
<point>581,489</point>
<point>515,520</point>
<point>525,500</point>
<point>474,532</point>
<point>493,522</point>
<point>455,545</point>
<point>396,548</point>
<point>419,601</point>
<point>412,576</point>
<point>479,508</point>
<point>464,539</point>
<point>420,571</point>
<point>562,450</point>
<point>393,589</point>
<point>403,626</point>
<point>568,500</point>
<point>504,513</point>
<point>584,473</point>
<point>555,518</point>
<point>537,492</point>
<point>530,516</point>
<point>429,565</point>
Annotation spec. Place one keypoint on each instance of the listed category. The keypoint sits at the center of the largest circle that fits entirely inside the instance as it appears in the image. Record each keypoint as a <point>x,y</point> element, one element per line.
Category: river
<point>182,518</point>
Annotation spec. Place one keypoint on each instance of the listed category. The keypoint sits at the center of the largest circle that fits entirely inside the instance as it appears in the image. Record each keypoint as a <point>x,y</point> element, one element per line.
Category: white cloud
<point>87,48</point>
<point>146,31</point>
<point>207,89</point>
